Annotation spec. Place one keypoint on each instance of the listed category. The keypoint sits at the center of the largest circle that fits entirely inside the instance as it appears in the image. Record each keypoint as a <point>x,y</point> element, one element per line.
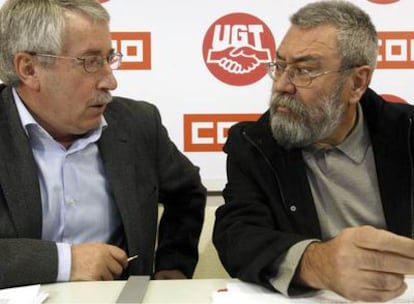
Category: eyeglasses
<point>91,63</point>
<point>299,77</point>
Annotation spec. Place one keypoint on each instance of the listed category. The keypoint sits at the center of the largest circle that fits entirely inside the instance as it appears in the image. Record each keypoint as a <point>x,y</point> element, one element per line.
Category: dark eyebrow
<point>306,58</point>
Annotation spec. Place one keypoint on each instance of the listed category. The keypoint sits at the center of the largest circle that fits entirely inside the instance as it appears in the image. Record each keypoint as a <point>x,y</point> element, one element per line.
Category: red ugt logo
<point>236,48</point>
<point>383,1</point>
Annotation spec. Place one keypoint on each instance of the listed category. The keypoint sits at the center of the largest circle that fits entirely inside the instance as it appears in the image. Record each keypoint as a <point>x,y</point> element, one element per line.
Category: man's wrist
<point>307,273</point>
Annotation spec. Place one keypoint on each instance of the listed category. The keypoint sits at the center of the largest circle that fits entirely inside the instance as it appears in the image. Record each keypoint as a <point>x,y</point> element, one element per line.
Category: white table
<point>162,291</point>
<point>196,291</point>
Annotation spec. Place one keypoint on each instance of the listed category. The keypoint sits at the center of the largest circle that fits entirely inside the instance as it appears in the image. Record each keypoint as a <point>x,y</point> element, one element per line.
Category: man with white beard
<point>320,188</point>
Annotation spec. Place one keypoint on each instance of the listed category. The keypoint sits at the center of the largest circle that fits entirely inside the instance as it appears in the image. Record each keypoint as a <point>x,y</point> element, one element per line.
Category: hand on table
<point>361,264</point>
<point>97,261</point>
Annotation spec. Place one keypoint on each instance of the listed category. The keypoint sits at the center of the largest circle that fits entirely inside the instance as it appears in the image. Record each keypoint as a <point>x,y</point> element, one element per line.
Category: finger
<point>115,268</point>
<point>380,280</point>
<point>374,295</point>
<point>386,262</point>
<point>382,240</point>
<point>106,275</point>
<point>119,255</point>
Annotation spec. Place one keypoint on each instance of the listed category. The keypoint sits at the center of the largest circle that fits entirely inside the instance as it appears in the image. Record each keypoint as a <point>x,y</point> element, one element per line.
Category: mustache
<point>287,101</point>
<point>102,99</point>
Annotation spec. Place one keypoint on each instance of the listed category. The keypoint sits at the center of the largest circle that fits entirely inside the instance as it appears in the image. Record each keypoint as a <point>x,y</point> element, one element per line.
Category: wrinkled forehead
<point>77,39</point>
<point>313,44</point>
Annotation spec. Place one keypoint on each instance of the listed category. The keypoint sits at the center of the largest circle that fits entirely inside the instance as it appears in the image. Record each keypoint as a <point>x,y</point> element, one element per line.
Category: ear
<point>360,79</point>
<point>26,69</point>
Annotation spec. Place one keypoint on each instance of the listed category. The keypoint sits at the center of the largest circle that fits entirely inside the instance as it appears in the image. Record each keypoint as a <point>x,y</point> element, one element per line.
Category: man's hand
<point>97,261</point>
<point>361,263</point>
<point>169,275</point>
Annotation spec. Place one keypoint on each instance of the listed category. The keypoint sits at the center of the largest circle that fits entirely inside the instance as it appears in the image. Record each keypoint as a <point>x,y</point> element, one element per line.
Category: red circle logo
<point>103,1</point>
<point>383,1</point>
<point>236,48</point>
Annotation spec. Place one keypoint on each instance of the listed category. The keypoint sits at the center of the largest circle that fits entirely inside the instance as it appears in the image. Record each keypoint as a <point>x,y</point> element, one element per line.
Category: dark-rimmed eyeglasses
<point>299,77</point>
<point>91,63</point>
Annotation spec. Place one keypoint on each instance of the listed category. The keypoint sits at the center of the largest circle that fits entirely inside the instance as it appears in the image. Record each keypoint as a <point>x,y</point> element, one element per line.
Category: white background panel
<point>180,83</point>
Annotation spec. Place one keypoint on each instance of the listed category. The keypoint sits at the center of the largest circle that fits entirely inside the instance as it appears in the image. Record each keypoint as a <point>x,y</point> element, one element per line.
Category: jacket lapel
<point>118,156</point>
<point>389,131</point>
<point>290,169</point>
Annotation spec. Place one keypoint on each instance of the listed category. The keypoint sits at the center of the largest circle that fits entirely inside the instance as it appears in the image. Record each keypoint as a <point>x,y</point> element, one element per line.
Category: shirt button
<point>71,201</point>
<point>293,208</point>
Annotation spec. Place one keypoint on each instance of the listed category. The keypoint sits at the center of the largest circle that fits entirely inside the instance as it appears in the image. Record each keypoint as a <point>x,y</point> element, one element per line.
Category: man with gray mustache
<point>320,189</point>
<point>311,123</point>
<point>81,173</point>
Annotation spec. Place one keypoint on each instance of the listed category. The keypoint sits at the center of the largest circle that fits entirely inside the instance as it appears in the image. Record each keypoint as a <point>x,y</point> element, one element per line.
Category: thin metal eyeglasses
<point>299,77</point>
<point>91,63</point>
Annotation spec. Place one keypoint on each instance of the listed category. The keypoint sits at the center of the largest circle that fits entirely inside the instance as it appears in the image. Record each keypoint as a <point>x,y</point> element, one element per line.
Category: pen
<point>131,258</point>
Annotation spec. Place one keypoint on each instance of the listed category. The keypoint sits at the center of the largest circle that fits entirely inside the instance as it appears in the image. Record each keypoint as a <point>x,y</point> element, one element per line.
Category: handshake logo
<point>239,60</point>
<point>237,47</point>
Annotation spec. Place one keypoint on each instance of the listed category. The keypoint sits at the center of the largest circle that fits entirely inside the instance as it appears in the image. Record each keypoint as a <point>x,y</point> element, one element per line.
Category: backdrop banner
<point>203,63</point>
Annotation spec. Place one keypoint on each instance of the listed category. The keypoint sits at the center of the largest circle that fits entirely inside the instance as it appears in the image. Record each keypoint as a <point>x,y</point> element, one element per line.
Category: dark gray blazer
<point>143,167</point>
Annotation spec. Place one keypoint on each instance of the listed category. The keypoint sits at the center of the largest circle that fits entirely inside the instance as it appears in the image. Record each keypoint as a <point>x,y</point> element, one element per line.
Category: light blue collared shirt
<point>77,203</point>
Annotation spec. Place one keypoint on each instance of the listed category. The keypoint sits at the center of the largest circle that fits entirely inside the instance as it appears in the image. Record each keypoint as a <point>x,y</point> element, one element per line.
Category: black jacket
<point>268,201</point>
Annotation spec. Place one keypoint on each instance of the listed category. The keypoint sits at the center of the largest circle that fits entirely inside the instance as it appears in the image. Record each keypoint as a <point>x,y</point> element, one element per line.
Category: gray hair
<point>357,37</point>
<point>37,26</point>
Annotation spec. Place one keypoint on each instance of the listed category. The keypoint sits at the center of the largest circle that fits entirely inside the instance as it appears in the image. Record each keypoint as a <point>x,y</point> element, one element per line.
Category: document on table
<point>31,294</point>
<point>241,293</point>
